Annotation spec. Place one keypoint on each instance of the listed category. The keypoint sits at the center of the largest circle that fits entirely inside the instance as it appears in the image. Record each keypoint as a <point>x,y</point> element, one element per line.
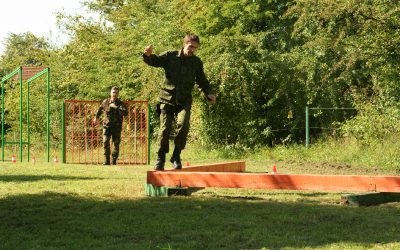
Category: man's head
<point>114,93</point>
<point>191,43</point>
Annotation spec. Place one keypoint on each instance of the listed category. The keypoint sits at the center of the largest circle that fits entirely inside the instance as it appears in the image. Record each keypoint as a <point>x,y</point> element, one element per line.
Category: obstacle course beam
<point>237,166</point>
<point>278,181</point>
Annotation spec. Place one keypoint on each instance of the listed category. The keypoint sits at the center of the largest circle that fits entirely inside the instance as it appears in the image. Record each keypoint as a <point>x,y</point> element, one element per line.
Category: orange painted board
<point>275,181</point>
<point>235,166</point>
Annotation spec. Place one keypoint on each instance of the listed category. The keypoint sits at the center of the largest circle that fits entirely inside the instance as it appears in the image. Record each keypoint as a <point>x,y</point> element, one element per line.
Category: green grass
<point>334,157</point>
<point>55,206</point>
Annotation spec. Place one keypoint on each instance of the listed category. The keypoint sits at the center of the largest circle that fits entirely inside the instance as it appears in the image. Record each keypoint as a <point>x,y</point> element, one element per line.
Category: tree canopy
<point>264,58</point>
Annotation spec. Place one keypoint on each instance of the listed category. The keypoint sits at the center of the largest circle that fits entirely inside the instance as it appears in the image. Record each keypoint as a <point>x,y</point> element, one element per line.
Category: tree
<point>352,51</point>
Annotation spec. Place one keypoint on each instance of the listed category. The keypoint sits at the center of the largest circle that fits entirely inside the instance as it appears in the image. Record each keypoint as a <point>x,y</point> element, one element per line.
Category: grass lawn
<point>56,206</point>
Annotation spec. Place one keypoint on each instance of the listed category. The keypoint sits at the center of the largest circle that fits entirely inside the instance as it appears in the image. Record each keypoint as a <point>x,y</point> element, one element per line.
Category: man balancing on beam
<point>182,70</point>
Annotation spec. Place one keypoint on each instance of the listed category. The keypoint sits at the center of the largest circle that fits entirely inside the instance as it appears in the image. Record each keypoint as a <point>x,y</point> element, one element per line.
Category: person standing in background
<point>113,111</point>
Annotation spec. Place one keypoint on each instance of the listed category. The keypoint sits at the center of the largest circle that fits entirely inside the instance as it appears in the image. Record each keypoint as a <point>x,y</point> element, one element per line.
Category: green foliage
<point>246,62</point>
<point>264,59</point>
<point>373,123</point>
<point>353,47</point>
<point>24,49</point>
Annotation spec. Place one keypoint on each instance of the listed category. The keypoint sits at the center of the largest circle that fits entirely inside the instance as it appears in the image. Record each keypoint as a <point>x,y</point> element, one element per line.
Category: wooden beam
<point>29,71</point>
<point>236,166</point>
<point>278,181</point>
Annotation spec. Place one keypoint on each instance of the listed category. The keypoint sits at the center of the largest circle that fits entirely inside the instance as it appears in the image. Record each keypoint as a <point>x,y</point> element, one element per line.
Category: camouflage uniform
<point>175,97</point>
<point>112,124</point>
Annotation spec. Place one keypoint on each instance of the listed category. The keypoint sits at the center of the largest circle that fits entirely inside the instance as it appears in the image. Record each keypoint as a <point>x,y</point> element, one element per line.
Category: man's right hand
<point>148,50</point>
<point>212,98</point>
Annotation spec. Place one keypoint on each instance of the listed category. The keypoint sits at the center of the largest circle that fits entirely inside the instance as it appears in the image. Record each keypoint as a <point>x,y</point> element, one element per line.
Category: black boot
<point>160,162</point>
<point>106,160</point>
<point>176,158</point>
<point>114,160</point>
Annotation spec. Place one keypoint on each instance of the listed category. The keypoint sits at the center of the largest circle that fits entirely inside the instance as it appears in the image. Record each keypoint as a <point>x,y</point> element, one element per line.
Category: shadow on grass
<point>255,197</point>
<point>31,178</point>
<point>267,194</point>
<point>61,221</point>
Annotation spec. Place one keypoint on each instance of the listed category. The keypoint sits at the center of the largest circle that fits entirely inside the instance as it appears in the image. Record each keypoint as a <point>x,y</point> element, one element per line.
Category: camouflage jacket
<point>181,74</point>
<point>113,112</point>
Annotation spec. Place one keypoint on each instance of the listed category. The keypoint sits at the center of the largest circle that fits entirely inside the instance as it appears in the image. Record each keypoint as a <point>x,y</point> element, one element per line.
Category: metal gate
<point>82,139</point>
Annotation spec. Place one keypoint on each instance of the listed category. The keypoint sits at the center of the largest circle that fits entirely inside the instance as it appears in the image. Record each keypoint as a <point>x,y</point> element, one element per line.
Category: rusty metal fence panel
<point>83,143</point>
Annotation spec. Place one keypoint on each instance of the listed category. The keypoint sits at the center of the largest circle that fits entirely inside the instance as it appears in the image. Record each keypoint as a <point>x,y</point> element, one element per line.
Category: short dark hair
<point>191,38</point>
<point>115,88</point>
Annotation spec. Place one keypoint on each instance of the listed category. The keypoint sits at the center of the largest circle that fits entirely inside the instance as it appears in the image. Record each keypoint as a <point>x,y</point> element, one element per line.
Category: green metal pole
<point>20,114</point>
<point>148,133</point>
<point>45,71</point>
<point>11,74</point>
<point>2,120</point>
<point>307,128</point>
<point>62,132</point>
<point>19,72</point>
<point>39,74</point>
<point>3,80</point>
<point>28,119</point>
<point>48,114</point>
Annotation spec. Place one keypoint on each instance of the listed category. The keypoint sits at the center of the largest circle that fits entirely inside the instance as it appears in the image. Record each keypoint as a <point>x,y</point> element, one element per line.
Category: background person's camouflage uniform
<point>112,126</point>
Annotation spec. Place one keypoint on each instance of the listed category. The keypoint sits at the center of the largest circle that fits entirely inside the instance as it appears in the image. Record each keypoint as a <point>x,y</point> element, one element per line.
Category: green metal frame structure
<point>19,71</point>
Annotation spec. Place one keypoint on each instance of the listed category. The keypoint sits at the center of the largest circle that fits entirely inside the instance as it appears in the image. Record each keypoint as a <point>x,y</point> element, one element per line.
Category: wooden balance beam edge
<point>235,166</point>
<point>274,181</point>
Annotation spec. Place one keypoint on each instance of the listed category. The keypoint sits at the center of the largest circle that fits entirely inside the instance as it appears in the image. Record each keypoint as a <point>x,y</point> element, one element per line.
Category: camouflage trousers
<point>115,134</point>
<point>169,114</point>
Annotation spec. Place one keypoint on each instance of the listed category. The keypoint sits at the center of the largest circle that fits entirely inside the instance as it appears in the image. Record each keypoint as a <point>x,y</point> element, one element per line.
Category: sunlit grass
<point>65,206</point>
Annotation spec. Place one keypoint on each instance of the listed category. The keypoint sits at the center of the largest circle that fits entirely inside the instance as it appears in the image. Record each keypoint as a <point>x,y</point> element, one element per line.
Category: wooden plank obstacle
<point>233,175</point>
<point>29,71</point>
